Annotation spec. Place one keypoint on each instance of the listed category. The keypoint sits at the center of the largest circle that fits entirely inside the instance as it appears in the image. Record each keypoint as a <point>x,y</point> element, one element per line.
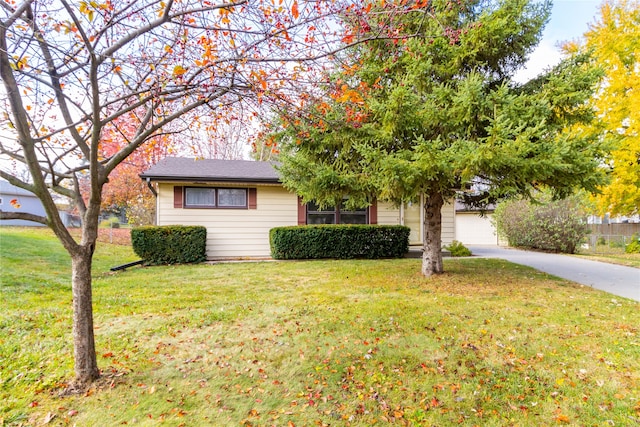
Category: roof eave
<point>210,179</point>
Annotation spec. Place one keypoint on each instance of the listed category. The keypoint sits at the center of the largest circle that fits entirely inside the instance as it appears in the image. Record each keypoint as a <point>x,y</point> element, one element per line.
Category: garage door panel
<point>472,229</point>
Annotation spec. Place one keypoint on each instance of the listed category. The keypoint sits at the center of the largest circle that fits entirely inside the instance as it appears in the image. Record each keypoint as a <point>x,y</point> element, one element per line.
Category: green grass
<point>314,343</point>
<point>614,257</point>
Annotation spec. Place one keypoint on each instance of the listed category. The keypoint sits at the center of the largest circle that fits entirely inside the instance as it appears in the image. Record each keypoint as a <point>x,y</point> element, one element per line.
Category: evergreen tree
<point>436,112</point>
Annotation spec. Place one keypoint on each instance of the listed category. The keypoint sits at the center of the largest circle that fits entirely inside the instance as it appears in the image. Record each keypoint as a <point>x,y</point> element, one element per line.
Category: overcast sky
<point>570,19</point>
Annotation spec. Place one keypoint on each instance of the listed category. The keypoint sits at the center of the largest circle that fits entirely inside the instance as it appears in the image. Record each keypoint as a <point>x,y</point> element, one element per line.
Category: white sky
<point>570,19</point>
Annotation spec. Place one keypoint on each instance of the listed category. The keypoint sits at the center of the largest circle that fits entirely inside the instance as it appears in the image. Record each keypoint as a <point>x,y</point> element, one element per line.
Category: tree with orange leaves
<point>124,191</point>
<point>75,73</point>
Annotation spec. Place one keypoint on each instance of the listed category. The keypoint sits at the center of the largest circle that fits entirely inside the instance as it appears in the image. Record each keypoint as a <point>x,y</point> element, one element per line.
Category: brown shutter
<point>253,198</point>
<point>177,196</point>
<point>302,212</point>
<point>373,212</point>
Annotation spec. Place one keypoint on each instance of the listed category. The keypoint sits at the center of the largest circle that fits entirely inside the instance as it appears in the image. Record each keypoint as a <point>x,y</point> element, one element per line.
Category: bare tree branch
<point>87,84</point>
<point>24,216</point>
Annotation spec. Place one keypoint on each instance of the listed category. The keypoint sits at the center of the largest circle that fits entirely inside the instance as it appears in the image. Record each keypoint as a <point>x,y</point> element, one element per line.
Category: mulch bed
<point>116,236</point>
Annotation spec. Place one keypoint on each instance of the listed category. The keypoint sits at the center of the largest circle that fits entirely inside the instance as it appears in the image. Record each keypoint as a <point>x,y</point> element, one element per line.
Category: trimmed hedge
<point>171,244</point>
<point>339,241</point>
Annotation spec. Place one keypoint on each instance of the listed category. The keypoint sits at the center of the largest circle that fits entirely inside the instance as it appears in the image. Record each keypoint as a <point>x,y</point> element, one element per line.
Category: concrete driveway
<point>615,279</point>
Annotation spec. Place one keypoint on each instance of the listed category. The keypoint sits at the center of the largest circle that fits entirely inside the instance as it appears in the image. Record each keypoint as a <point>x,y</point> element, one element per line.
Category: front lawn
<point>619,257</point>
<point>337,343</point>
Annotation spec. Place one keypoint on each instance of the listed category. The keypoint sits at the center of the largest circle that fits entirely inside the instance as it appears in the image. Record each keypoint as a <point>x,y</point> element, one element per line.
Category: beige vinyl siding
<point>387,214</point>
<point>390,215</point>
<point>448,223</point>
<point>244,233</point>
<point>234,233</point>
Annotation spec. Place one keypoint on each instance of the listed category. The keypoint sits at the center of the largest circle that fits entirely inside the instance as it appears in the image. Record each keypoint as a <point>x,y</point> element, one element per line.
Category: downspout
<point>153,190</point>
<point>155,194</point>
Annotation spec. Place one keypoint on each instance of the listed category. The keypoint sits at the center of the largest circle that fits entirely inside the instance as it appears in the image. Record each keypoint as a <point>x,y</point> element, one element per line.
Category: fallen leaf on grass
<point>48,418</point>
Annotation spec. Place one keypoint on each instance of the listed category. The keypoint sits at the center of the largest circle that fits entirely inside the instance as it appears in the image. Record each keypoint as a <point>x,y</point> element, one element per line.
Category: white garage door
<point>472,229</point>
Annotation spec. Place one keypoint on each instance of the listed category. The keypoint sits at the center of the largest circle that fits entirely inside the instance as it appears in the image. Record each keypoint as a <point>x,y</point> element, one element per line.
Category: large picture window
<point>333,215</point>
<point>209,197</point>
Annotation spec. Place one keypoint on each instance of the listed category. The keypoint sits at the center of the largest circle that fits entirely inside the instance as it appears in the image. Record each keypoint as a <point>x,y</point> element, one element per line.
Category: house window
<point>315,215</point>
<point>331,215</point>
<point>196,197</point>
<point>359,216</point>
<point>208,197</point>
<point>232,198</point>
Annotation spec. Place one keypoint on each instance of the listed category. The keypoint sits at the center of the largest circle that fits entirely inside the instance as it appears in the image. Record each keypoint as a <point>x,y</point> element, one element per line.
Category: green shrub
<point>457,249</point>
<point>172,244</point>
<point>556,226</point>
<point>339,241</point>
<point>617,242</point>
<point>634,246</point>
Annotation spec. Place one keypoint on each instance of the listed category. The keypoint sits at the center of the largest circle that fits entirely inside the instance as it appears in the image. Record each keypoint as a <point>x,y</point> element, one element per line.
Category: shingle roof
<point>187,169</point>
<point>8,189</point>
<point>462,207</point>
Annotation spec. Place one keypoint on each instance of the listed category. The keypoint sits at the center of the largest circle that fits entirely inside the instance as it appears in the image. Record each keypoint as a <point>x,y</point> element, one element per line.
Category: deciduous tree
<point>614,41</point>
<point>72,70</point>
<point>439,113</point>
<point>548,225</point>
<point>125,191</point>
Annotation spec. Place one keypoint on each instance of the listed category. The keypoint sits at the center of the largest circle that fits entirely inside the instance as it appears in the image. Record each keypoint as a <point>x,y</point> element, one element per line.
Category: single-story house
<point>239,201</point>
<point>23,201</point>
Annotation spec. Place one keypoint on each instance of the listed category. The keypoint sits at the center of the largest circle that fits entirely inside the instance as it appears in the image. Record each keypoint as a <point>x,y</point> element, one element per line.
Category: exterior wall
<point>448,223</point>
<point>244,233</point>
<point>387,214</point>
<point>29,203</point>
<point>234,233</point>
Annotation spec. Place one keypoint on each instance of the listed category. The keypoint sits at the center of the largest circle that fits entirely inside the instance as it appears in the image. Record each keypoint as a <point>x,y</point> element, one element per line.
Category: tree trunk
<point>432,249</point>
<point>86,365</point>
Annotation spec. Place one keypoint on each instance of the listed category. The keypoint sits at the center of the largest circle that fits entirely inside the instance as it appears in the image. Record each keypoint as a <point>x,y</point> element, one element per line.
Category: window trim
<point>246,198</point>
<point>336,212</point>
<point>185,205</point>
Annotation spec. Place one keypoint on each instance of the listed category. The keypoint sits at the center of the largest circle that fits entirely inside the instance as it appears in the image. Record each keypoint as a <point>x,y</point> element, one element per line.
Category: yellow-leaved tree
<point>614,41</point>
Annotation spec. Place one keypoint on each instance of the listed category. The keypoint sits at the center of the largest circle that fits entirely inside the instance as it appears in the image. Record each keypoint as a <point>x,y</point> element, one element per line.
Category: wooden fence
<point>615,229</point>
